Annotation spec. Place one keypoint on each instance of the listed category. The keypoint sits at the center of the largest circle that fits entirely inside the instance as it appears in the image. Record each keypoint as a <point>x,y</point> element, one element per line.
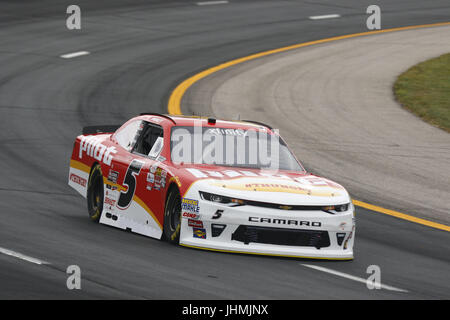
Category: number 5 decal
<point>218,214</point>
<point>130,181</point>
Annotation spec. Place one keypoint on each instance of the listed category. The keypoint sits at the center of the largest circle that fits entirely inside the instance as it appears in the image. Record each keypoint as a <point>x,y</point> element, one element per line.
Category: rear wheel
<point>172,216</point>
<point>95,193</point>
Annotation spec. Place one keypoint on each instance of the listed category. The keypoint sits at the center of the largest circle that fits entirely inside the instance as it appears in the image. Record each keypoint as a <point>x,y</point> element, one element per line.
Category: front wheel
<point>95,193</point>
<point>172,217</point>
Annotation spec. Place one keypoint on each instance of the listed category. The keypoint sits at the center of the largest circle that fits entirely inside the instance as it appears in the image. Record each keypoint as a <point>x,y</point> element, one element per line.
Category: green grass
<point>425,90</point>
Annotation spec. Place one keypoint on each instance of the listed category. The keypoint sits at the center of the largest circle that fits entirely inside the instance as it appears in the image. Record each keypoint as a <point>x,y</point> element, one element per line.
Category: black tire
<point>95,193</point>
<point>172,216</point>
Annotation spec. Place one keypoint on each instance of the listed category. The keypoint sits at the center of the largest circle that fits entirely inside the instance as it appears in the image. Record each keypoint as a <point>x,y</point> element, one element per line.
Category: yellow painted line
<point>401,215</point>
<point>262,254</point>
<point>174,105</point>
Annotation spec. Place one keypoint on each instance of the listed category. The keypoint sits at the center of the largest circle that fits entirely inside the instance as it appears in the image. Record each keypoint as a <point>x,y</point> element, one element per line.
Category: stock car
<point>211,184</point>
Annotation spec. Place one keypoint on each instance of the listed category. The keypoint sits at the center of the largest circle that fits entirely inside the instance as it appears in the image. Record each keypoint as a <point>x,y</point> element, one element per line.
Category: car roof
<point>180,120</point>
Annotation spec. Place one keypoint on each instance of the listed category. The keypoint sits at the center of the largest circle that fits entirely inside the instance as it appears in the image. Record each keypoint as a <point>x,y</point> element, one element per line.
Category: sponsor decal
<point>110,187</point>
<point>78,180</point>
<point>92,146</point>
<point>199,233</point>
<point>195,223</point>
<point>156,120</point>
<point>110,201</point>
<point>156,178</point>
<point>190,215</point>
<point>307,182</point>
<point>312,181</point>
<point>285,221</point>
<point>113,176</point>
<point>197,173</point>
<point>228,132</point>
<point>285,186</point>
<point>190,205</point>
<point>272,186</point>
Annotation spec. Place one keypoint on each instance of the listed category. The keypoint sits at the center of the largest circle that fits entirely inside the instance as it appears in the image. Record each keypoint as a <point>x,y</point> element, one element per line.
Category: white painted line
<point>350,277</point>
<point>326,16</point>
<point>209,3</point>
<point>21,256</point>
<point>74,54</point>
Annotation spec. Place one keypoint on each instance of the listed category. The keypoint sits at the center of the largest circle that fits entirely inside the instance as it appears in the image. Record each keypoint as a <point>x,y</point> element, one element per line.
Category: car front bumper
<point>266,231</point>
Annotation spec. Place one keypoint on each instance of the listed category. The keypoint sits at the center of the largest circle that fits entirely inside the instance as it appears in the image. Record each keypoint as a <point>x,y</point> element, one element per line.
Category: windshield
<point>250,148</point>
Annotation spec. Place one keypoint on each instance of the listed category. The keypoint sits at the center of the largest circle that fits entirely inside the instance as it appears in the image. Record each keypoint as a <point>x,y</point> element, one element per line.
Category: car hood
<point>272,187</point>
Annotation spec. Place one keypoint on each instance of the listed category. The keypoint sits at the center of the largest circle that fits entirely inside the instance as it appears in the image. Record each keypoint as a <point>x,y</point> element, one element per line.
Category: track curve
<point>333,102</point>
<point>139,51</point>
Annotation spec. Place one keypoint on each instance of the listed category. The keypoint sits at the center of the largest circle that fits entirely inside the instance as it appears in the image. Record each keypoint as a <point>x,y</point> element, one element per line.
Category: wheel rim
<point>175,214</point>
<point>97,196</point>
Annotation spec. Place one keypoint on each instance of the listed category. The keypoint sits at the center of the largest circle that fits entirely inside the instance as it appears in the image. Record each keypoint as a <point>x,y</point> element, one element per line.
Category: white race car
<point>230,186</point>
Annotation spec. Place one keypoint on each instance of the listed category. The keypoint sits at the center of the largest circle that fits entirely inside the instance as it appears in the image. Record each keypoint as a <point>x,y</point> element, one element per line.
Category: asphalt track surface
<point>139,51</point>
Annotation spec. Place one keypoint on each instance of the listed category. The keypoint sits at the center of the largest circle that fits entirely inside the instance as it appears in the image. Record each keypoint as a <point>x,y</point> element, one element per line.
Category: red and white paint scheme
<point>229,207</point>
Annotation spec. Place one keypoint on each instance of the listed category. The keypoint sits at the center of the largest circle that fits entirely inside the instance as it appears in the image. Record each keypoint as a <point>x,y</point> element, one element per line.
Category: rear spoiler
<point>100,129</point>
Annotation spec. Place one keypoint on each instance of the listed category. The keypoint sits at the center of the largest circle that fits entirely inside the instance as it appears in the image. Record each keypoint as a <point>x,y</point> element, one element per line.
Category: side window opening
<point>150,141</point>
<point>128,136</point>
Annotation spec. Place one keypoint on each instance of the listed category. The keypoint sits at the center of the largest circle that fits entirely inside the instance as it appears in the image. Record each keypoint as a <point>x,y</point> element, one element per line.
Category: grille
<point>279,236</point>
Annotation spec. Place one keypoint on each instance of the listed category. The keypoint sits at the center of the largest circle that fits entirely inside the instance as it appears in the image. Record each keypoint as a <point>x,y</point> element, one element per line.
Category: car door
<point>136,194</point>
<point>119,183</point>
<point>152,178</point>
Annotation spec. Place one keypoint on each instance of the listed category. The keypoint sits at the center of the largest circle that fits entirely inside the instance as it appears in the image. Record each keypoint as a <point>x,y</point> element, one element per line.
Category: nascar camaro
<point>230,186</point>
